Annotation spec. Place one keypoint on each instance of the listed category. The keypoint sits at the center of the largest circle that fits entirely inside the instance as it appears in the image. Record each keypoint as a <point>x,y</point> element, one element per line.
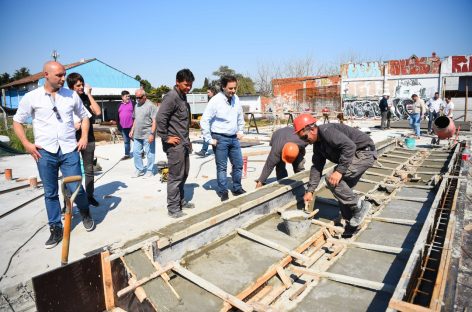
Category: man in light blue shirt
<point>222,126</point>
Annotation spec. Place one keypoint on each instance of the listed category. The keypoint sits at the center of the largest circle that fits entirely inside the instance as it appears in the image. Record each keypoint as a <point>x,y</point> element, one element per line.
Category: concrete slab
<point>402,209</point>
<point>388,234</point>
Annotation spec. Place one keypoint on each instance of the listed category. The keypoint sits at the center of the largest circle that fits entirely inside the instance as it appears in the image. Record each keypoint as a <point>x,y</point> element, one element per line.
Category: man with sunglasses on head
<point>352,150</point>
<point>55,147</point>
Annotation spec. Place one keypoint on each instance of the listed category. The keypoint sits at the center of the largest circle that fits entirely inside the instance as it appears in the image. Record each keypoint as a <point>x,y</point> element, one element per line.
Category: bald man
<point>55,147</point>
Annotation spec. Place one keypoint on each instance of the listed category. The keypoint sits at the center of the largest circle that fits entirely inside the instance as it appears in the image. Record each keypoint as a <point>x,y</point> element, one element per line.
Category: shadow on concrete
<point>104,195</point>
<point>189,190</point>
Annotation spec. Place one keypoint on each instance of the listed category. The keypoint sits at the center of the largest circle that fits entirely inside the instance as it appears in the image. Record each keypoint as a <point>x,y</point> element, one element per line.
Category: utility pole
<point>55,55</point>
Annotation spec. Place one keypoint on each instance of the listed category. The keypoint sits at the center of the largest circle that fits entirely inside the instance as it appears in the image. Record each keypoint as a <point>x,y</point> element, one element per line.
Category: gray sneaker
<point>359,213</point>
<point>138,174</point>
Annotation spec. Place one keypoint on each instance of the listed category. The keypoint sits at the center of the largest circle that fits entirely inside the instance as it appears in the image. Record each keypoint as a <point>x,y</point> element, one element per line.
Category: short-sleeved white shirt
<point>52,130</point>
<point>449,106</point>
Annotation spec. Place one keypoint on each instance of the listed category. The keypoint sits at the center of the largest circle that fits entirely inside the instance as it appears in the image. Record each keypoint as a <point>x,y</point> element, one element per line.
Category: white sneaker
<point>149,174</point>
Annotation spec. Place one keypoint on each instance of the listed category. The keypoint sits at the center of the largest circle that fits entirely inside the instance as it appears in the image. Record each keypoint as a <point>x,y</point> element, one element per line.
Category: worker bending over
<point>286,147</point>
<point>352,150</point>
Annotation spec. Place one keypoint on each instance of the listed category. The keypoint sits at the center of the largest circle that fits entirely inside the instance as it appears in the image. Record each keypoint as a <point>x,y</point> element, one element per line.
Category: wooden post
<point>215,290</point>
<point>107,281</point>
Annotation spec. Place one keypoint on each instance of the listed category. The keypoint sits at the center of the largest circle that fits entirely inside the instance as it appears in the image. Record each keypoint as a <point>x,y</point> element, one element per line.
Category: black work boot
<point>55,237</point>
<point>87,220</point>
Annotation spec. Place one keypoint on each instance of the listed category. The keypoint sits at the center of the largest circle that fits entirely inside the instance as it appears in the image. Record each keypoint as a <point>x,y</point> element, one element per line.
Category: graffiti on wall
<point>370,109</point>
<point>414,66</point>
<point>361,70</point>
<point>457,64</point>
<point>405,88</point>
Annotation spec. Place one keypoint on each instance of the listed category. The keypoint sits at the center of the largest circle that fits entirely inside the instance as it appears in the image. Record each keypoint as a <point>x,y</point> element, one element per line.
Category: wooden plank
<point>285,279</point>
<point>108,290</point>
<point>406,306</point>
<point>212,288</point>
<point>274,294</point>
<point>374,247</point>
<point>327,225</point>
<point>144,280</point>
<point>272,245</point>
<point>164,276</point>
<point>118,252</point>
<point>394,220</point>
<point>346,279</point>
<point>414,199</point>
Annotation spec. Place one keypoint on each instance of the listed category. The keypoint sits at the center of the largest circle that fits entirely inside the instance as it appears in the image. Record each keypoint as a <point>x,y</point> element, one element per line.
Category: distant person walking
<point>75,82</point>
<point>449,108</point>
<point>434,106</point>
<point>222,126</point>
<point>125,114</point>
<point>416,110</point>
<point>173,126</point>
<point>143,133</point>
<point>211,92</point>
<point>384,112</point>
<point>51,108</point>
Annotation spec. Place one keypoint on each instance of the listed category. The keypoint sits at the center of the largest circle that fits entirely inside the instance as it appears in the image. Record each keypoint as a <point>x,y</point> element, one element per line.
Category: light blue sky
<point>157,38</point>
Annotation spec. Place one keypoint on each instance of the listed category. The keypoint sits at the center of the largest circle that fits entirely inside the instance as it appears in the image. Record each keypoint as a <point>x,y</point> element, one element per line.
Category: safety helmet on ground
<point>302,121</point>
<point>290,152</point>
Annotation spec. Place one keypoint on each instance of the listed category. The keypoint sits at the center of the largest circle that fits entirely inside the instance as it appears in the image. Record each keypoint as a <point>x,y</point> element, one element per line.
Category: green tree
<point>156,94</point>
<point>4,78</point>
<point>146,85</point>
<point>245,84</point>
<point>21,73</point>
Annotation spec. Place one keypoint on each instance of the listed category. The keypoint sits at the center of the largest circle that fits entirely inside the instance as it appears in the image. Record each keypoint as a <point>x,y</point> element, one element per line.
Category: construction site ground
<point>133,207</point>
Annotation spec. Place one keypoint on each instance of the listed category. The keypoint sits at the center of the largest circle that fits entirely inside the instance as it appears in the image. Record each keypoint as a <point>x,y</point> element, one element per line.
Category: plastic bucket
<point>410,143</point>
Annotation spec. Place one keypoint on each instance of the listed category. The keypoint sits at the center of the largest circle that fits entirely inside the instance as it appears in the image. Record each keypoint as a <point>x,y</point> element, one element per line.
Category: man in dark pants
<point>75,82</point>
<point>352,150</point>
<point>278,142</point>
<point>173,123</point>
<point>384,110</point>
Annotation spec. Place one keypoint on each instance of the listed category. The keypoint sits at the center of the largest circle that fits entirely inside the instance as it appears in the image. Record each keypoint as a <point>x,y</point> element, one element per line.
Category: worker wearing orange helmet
<point>286,147</point>
<point>352,150</point>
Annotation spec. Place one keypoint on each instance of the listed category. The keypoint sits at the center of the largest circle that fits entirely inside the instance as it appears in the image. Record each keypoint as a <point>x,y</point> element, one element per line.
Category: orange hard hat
<point>290,152</point>
<point>302,121</point>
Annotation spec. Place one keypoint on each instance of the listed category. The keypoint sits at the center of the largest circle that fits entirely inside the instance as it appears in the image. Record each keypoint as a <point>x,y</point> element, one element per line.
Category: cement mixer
<point>444,128</point>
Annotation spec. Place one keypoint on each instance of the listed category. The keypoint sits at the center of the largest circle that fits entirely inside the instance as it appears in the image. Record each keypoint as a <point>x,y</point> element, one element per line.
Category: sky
<point>155,39</point>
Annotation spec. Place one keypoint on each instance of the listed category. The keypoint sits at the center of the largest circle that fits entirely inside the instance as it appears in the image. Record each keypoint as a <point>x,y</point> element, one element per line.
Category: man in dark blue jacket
<point>383,105</point>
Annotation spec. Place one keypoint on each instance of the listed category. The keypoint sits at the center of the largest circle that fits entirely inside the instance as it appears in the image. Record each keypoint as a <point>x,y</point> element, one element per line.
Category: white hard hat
<point>386,94</point>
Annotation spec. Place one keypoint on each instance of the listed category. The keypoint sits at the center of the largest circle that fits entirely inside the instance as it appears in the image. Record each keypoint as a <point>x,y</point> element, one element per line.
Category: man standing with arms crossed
<point>222,126</point>
<point>173,124</point>
<point>55,146</point>
<point>352,150</point>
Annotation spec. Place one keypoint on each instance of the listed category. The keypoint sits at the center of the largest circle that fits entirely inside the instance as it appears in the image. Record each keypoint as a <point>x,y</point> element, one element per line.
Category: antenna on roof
<point>55,55</point>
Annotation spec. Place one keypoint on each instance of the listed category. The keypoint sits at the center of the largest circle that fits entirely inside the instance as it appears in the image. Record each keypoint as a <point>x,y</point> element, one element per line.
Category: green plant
<point>14,140</point>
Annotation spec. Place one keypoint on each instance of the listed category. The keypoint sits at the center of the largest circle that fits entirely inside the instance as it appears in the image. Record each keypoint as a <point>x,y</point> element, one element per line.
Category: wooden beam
<point>367,246</point>
<point>272,245</point>
<point>108,291</point>
<point>406,306</point>
<point>215,290</point>
<point>285,279</point>
<point>327,225</point>
<point>346,279</point>
<point>144,280</point>
<point>164,275</point>
<point>394,220</point>
<point>414,199</point>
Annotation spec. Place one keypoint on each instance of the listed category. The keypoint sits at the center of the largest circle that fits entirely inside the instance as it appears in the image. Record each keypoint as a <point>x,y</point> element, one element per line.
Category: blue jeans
<point>126,140</point>
<point>432,116</point>
<point>149,149</point>
<point>415,120</point>
<point>48,167</point>
<point>228,147</point>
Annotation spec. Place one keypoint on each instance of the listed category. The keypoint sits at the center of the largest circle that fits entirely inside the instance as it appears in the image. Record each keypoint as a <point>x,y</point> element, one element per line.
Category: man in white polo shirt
<point>434,104</point>
<point>55,147</point>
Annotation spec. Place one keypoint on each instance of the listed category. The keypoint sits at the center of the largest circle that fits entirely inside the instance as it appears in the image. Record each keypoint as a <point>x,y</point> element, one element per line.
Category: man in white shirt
<point>222,126</point>
<point>449,108</point>
<point>55,147</point>
<point>434,104</point>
